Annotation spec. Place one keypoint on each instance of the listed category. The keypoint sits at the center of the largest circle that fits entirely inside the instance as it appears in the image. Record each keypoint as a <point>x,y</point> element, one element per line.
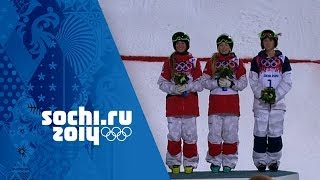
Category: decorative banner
<point>67,107</point>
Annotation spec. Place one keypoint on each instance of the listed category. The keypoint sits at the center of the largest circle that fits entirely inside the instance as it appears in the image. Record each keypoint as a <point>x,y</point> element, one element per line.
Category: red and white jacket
<point>180,105</point>
<point>225,100</point>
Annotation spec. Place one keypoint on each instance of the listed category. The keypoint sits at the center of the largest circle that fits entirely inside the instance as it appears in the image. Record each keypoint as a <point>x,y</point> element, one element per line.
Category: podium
<point>234,175</point>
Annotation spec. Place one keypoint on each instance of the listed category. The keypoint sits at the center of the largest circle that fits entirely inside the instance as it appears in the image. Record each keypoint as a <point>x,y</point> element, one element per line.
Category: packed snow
<point>145,27</point>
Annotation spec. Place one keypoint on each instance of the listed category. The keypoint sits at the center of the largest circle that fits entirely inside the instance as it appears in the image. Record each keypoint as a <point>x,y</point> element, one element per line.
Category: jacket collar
<point>263,53</point>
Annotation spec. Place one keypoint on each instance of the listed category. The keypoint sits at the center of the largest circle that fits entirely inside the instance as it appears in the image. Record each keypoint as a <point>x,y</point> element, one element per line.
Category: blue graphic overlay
<point>58,57</point>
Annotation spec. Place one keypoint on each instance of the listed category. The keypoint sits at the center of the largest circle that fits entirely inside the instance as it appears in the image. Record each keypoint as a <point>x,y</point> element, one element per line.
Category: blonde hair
<point>172,64</point>
<point>213,60</point>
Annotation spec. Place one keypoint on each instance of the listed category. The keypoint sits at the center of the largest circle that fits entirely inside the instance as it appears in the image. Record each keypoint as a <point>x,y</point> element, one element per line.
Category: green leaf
<point>180,78</point>
<point>224,72</point>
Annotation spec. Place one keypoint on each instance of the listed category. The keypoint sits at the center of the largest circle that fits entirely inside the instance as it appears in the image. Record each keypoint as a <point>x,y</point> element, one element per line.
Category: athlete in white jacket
<point>270,68</point>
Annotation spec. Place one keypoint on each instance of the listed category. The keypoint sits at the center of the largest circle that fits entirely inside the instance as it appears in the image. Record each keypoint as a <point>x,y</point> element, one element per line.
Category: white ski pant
<point>184,128</point>
<point>268,129</point>
<point>223,140</point>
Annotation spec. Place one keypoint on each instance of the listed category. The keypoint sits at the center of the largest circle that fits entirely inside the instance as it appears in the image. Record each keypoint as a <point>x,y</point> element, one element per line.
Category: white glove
<point>181,88</point>
<point>223,82</point>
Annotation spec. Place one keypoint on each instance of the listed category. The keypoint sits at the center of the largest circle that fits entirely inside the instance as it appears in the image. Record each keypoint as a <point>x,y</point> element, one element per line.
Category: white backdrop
<point>145,27</point>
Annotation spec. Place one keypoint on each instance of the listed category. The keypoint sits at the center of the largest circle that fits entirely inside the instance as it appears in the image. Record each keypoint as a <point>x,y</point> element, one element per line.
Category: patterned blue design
<point>51,84</point>
<point>10,158</point>
<point>40,38</point>
<point>52,78</point>
<point>26,115</point>
<point>53,160</point>
<point>8,17</point>
<point>67,58</point>
<point>54,86</point>
<point>21,59</point>
<point>37,24</point>
<point>78,43</point>
<point>79,6</point>
<point>10,90</point>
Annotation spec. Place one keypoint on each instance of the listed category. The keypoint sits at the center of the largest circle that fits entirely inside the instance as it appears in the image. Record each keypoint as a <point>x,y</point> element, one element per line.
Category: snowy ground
<point>145,27</point>
<point>301,130</point>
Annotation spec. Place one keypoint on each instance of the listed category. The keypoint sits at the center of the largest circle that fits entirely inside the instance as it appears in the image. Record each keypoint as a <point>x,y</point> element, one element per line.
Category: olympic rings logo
<point>225,64</point>
<point>270,62</point>
<point>184,66</point>
<point>116,133</point>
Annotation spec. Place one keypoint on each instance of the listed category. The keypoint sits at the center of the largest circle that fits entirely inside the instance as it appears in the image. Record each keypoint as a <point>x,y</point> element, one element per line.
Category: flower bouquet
<point>224,72</point>
<point>181,79</point>
<point>268,95</point>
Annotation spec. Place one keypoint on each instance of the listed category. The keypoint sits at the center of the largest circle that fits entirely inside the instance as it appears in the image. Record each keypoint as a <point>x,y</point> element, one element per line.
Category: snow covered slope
<point>144,27</point>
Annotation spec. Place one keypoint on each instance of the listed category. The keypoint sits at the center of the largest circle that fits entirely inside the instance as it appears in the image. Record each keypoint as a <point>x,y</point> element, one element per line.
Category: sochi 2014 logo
<point>83,125</point>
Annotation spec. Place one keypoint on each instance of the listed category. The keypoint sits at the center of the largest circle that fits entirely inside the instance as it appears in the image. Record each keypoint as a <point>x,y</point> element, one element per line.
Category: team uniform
<point>224,111</point>
<point>266,72</point>
<point>181,110</point>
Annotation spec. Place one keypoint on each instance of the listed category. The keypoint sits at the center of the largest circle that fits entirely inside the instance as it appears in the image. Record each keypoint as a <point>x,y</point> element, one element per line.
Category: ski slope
<point>301,128</point>
<point>144,28</point>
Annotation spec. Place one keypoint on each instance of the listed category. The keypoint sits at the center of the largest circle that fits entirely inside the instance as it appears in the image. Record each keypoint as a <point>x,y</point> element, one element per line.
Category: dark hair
<point>225,38</point>
<point>267,33</point>
<point>180,36</point>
